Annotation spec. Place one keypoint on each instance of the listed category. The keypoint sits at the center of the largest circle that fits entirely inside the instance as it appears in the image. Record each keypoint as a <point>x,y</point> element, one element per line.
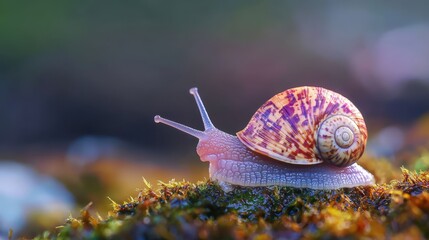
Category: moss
<point>204,211</point>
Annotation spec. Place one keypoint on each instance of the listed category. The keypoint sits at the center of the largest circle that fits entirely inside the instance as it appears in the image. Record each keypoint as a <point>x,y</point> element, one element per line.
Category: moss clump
<point>204,211</point>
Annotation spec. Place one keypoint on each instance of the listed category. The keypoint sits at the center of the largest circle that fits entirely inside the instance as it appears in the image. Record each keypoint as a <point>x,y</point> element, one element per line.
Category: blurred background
<point>80,82</point>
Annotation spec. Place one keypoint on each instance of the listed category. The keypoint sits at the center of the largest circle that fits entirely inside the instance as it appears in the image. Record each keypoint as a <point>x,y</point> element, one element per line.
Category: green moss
<point>205,211</point>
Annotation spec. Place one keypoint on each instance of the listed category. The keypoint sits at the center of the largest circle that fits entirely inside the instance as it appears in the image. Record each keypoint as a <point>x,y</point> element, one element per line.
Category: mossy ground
<point>183,210</point>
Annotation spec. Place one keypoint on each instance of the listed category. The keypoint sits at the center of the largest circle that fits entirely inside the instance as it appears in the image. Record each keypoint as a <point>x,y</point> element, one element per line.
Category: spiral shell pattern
<point>307,125</point>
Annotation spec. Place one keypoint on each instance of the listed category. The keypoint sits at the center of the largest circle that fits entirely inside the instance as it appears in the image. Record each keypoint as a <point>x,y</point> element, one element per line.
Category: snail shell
<point>307,125</point>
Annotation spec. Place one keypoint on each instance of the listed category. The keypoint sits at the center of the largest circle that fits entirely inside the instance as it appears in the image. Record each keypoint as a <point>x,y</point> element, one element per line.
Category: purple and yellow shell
<point>307,125</point>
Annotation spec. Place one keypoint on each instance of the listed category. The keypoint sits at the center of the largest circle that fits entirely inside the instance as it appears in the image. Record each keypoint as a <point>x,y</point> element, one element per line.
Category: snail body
<point>302,137</point>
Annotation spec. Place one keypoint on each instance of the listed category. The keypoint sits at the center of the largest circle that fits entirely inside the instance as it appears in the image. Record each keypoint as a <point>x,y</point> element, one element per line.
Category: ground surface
<point>183,210</point>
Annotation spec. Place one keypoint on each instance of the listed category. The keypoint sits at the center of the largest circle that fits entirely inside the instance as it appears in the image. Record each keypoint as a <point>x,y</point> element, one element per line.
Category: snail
<point>304,137</point>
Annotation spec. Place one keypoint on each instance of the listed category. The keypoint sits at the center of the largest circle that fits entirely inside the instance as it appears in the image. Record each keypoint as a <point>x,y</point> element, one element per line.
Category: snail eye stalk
<point>208,125</point>
<point>191,131</point>
<point>204,115</point>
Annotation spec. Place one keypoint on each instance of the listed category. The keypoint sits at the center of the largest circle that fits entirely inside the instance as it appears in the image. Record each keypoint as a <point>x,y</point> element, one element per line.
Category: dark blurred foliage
<point>105,68</point>
<point>80,81</point>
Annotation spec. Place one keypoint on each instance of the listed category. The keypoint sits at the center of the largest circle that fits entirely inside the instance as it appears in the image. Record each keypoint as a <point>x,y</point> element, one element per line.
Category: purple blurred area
<point>80,81</point>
